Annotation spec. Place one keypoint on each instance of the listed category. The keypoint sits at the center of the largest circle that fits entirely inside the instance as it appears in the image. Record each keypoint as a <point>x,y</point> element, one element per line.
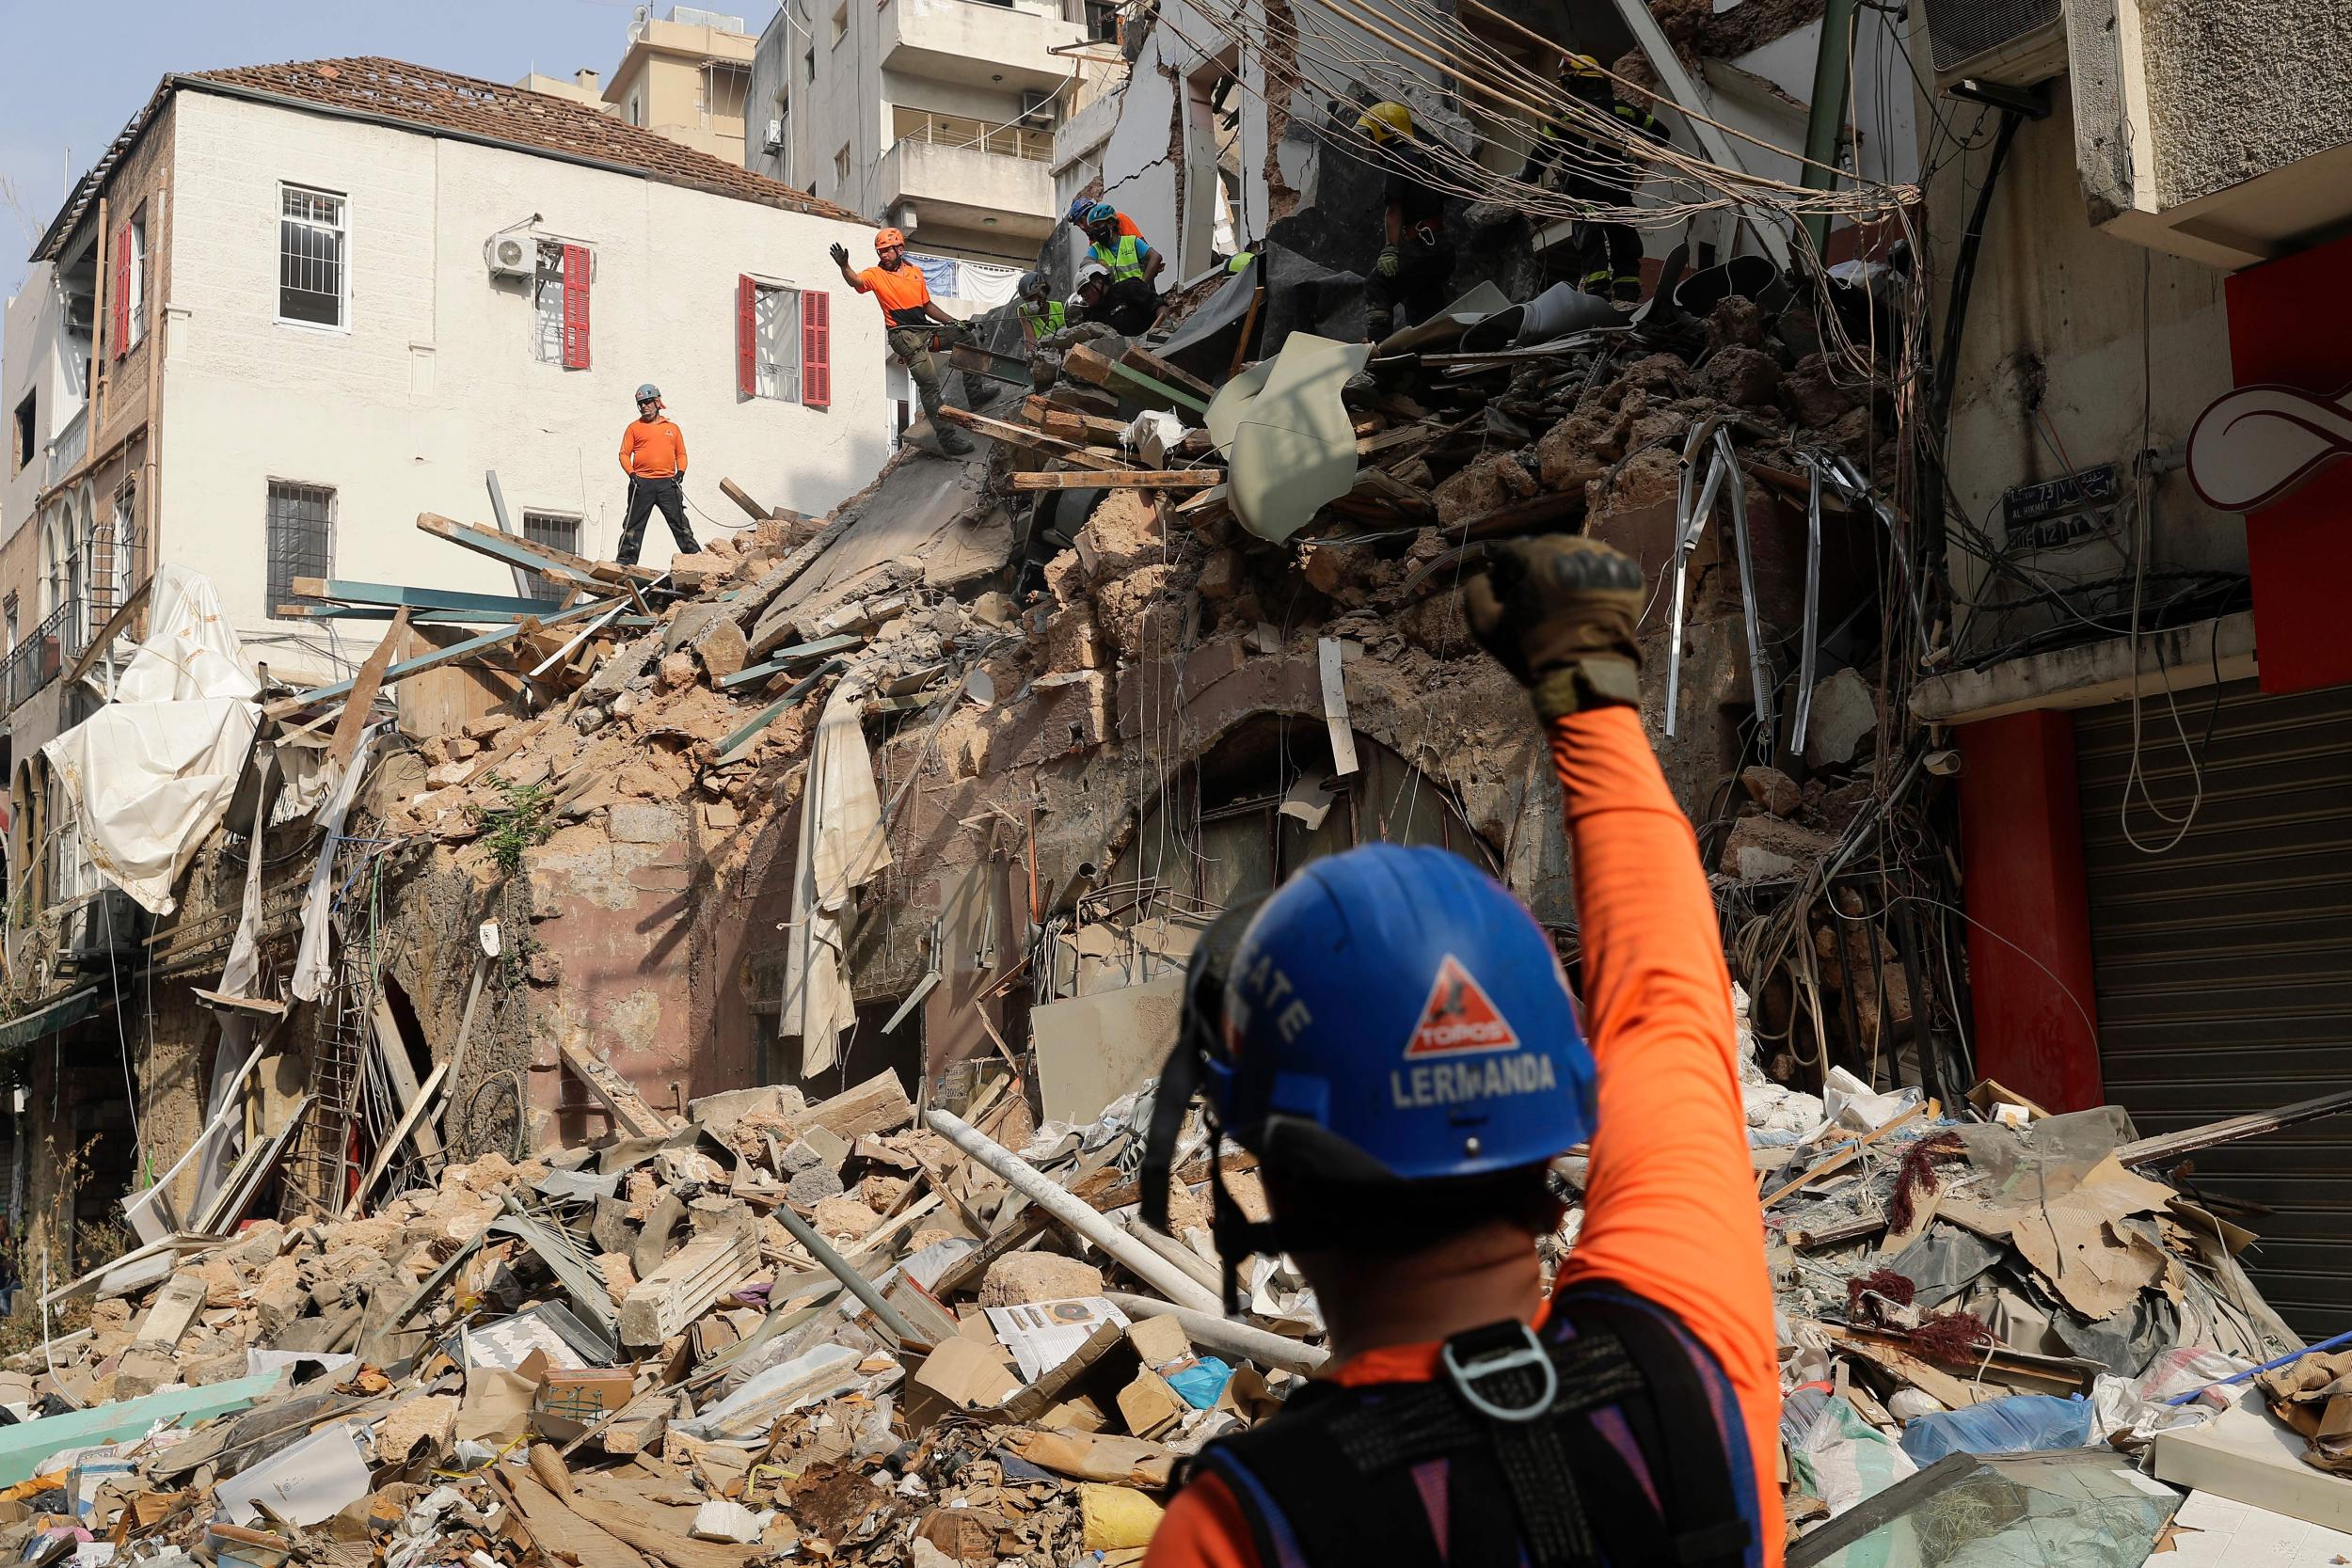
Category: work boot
<point>980,394</point>
<point>954,442</point>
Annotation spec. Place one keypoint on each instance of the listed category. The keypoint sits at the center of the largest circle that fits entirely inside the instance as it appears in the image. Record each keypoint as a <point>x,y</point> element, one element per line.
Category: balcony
<point>963,174</point>
<point>2209,136</point>
<point>979,43</point>
<point>44,655</point>
<point>68,446</point>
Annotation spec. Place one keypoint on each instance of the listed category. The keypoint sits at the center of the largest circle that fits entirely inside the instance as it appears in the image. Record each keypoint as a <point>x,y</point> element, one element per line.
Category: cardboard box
<point>573,1399</point>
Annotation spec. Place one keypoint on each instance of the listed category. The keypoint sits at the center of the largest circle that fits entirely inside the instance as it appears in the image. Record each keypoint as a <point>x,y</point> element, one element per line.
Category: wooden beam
<point>735,493</point>
<point>115,625</point>
<point>1085,365</point>
<point>406,668</point>
<point>252,1006</point>
<point>363,689</point>
<point>410,1122</point>
<point>683,1289</point>
<point>1141,358</point>
<point>2175,1146</point>
<point>1062,422</point>
<point>522,552</point>
<point>1248,324</point>
<point>393,1045</point>
<point>1121,479</point>
<point>627,1107</point>
<point>1032,440</point>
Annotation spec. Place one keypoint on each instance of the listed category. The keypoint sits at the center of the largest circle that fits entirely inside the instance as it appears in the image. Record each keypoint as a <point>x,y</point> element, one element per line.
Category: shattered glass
<point>2084,1507</point>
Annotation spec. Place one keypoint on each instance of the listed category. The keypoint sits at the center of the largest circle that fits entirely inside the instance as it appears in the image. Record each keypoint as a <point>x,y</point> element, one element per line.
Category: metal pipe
<point>1806,650</point>
<point>1827,118</point>
<point>1216,1332</point>
<point>1690,520</point>
<point>1059,1202</point>
<point>1175,1252</point>
<point>860,1287</point>
<point>1759,681</point>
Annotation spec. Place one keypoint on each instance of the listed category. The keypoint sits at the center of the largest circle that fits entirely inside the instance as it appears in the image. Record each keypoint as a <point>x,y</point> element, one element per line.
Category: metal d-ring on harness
<point>1722,467</point>
<point>1497,1363</point>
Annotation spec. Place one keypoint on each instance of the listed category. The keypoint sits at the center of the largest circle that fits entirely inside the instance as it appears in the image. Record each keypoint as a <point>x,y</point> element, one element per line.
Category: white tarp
<point>148,775</point>
<point>842,846</point>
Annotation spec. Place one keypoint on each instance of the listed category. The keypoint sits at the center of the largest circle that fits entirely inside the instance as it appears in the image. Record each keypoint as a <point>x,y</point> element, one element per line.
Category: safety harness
<point>1596,1443</point>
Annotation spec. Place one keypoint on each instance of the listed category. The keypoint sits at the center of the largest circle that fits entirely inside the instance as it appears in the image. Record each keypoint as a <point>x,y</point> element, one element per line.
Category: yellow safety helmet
<point>1385,121</point>
<point>1582,66</point>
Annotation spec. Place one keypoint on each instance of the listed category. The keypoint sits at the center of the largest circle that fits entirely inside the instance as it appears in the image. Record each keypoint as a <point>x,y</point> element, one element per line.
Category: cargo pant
<point>913,345</point>
<point>643,496</point>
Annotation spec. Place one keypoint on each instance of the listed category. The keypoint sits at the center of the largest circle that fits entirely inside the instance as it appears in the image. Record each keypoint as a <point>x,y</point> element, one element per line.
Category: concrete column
<point>2029,908</point>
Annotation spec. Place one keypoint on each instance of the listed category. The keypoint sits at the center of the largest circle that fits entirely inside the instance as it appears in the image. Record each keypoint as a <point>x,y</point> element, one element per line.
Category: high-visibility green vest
<point>1052,319</point>
<point>1241,262</point>
<point>1125,262</point>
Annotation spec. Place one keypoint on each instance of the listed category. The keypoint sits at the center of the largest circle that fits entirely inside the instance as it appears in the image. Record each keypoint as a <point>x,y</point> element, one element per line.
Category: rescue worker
<point>1123,250</point>
<point>1126,306</point>
<point>1390,1031</point>
<point>898,286</point>
<point>1585,168</point>
<point>1409,280</point>
<point>1081,206</point>
<point>653,454</point>
<point>1040,312</point>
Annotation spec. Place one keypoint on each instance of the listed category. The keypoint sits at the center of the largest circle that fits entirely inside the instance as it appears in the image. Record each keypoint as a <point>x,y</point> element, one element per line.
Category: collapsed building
<point>915,809</point>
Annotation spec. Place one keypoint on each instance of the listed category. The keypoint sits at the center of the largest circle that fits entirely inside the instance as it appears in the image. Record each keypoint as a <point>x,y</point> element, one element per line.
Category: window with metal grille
<point>557,532</point>
<point>310,273</point>
<point>776,337</point>
<point>301,538</point>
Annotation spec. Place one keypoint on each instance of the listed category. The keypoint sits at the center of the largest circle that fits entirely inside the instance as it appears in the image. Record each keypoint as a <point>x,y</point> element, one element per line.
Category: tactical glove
<point>1559,612</point>
<point>841,256</point>
<point>1389,261</point>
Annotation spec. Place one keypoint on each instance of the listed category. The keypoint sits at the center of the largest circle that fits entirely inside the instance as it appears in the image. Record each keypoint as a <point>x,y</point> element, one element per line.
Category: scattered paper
<point>1042,1335</point>
<point>307,1483</point>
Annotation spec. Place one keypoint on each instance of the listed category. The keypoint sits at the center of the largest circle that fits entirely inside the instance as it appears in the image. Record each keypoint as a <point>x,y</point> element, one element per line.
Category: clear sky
<point>72,73</point>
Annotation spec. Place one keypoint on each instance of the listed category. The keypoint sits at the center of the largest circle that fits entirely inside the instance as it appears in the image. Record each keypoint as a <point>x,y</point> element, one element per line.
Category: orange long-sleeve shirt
<point>1670,1198</point>
<point>652,449</point>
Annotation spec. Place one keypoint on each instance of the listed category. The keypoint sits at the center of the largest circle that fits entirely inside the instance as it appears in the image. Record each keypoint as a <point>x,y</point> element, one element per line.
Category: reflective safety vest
<point>1241,262</point>
<point>1125,262</point>
<point>1052,319</point>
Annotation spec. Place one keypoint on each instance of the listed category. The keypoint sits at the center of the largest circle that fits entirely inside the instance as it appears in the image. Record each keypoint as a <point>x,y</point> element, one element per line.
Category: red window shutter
<point>817,349</point>
<point>577,270</point>
<point>121,322</point>
<point>746,337</point>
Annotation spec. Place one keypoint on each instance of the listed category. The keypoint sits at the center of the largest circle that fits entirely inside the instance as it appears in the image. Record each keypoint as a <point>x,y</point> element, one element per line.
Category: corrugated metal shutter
<point>2224,965</point>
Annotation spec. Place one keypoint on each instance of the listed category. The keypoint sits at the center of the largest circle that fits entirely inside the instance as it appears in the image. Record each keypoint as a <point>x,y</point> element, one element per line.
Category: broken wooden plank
<point>666,1301</point>
<point>1068,424</point>
<point>1248,324</point>
<point>412,1122</point>
<point>736,493</point>
<point>252,1006</point>
<point>406,668</point>
<point>1030,440</point>
<point>878,1105</point>
<point>1330,663</point>
<point>1138,358</point>
<point>1084,364</point>
<point>622,1102</point>
<point>2174,1146</point>
<point>1121,479</point>
<point>392,1047</point>
<point>116,624</point>
<point>363,689</point>
<point>1831,1235</point>
<point>1844,1157</point>
<point>544,558</point>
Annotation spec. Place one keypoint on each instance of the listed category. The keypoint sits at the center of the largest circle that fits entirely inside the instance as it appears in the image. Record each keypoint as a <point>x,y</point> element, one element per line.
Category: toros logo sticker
<point>1459,1018</point>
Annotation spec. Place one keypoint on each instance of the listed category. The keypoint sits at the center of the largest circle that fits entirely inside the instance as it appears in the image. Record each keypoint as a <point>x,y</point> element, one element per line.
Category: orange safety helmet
<point>886,238</point>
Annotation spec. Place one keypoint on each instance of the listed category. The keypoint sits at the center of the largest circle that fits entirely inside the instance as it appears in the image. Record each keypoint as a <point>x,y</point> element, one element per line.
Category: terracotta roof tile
<point>466,105</point>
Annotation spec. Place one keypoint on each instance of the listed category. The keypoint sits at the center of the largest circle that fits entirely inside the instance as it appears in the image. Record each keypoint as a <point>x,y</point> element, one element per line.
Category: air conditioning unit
<point>511,255</point>
<point>776,136</point>
<point>2010,44</point>
<point>1037,108</point>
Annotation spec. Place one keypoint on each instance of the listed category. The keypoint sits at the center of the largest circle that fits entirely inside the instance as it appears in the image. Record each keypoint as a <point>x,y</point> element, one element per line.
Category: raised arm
<point>1670,1199</point>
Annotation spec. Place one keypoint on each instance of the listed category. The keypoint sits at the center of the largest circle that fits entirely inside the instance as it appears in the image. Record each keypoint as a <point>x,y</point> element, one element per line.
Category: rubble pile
<point>779,1329</point>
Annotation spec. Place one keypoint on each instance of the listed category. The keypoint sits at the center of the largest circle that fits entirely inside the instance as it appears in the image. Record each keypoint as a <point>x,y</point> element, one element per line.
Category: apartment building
<point>294,306</point>
<point>686,76</point>
<point>934,116</point>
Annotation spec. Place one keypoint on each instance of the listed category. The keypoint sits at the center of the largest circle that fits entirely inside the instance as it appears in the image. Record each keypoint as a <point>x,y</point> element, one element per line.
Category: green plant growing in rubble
<point>526,821</point>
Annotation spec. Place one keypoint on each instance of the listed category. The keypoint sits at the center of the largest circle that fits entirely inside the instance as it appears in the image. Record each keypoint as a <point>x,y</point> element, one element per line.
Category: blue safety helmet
<point>1079,206</point>
<point>1101,211</point>
<point>1400,1003</point>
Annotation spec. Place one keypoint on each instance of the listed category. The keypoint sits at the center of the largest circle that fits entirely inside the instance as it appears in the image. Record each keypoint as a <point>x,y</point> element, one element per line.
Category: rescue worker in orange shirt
<point>898,286</point>
<point>1390,1032</point>
<point>653,454</point>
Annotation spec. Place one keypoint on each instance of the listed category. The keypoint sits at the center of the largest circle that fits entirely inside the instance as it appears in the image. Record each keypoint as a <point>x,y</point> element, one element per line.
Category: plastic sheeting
<point>148,775</point>
<point>2083,1508</point>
